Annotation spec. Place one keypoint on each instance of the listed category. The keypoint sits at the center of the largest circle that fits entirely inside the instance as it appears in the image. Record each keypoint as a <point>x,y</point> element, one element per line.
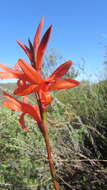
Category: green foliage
<point>22,153</point>
<point>89,103</point>
<point>77,121</point>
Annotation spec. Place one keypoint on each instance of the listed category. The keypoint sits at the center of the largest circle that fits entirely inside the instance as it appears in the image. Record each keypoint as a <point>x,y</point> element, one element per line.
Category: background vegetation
<point>77,122</point>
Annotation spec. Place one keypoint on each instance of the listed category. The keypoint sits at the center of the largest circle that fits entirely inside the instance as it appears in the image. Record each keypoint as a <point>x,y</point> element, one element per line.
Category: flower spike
<point>30,80</point>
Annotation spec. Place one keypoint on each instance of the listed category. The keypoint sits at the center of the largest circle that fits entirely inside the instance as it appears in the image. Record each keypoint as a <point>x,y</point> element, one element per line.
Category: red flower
<point>33,82</point>
<point>30,76</point>
<point>25,108</point>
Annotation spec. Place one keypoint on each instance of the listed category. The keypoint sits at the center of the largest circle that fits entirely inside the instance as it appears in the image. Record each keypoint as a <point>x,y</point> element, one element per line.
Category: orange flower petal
<point>38,33</point>
<point>5,75</point>
<point>64,84</point>
<point>10,73</point>
<point>12,105</point>
<point>42,48</point>
<point>45,98</point>
<point>30,72</point>
<point>28,51</point>
<point>16,105</point>
<point>25,99</point>
<point>22,122</point>
<point>25,90</point>
<point>60,71</point>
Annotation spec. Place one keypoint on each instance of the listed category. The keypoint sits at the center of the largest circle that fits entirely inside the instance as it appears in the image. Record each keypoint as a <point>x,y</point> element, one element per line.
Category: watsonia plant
<point>30,80</point>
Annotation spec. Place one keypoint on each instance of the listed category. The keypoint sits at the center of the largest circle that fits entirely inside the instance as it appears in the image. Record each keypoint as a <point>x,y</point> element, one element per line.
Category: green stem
<point>49,153</point>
